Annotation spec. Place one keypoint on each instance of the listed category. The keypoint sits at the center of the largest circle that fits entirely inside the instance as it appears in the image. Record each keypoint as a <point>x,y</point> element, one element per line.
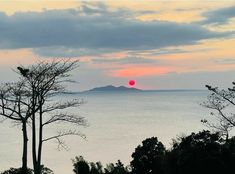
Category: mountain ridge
<point>112,88</point>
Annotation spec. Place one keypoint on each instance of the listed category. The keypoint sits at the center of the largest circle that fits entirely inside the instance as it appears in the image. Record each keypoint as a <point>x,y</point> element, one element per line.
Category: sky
<point>159,44</point>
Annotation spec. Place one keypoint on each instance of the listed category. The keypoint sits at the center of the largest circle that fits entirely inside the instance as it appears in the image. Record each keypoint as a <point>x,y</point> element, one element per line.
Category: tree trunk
<point>35,166</point>
<point>40,138</point>
<point>25,148</point>
<point>34,133</point>
<point>37,153</point>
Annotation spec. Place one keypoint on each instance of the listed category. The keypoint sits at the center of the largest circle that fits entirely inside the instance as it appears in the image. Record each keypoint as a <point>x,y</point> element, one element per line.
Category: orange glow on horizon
<point>140,71</point>
<point>18,56</point>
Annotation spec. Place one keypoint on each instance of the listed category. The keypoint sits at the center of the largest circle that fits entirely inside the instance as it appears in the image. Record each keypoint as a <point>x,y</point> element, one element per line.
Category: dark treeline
<point>203,152</point>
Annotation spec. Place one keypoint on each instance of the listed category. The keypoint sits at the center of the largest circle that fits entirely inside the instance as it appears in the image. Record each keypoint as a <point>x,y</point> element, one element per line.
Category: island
<point>112,88</point>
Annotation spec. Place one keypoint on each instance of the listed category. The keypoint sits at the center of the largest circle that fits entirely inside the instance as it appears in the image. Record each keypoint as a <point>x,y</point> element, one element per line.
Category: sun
<point>131,82</point>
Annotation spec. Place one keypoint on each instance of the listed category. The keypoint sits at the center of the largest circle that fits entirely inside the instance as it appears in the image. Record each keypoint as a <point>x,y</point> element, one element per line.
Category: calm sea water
<point>118,122</point>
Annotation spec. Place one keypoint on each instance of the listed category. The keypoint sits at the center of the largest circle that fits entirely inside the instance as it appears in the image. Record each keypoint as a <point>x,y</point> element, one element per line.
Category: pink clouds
<point>140,71</point>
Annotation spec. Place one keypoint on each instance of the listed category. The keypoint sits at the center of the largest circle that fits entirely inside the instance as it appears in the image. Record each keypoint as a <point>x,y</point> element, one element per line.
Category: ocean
<point>118,123</point>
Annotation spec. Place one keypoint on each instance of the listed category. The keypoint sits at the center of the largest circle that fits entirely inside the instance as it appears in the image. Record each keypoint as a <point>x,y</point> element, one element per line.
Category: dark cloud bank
<point>126,60</point>
<point>219,16</point>
<point>88,29</point>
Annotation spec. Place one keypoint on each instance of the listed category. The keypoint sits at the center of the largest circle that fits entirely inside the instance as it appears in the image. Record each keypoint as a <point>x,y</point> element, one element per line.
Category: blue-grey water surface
<point>118,122</point>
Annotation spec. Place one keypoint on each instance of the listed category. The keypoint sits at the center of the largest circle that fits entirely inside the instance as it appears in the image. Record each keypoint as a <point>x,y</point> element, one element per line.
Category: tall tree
<point>34,97</point>
<point>45,81</point>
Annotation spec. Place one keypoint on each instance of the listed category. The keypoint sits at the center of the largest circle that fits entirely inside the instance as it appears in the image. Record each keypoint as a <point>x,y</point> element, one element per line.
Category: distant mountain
<point>113,88</point>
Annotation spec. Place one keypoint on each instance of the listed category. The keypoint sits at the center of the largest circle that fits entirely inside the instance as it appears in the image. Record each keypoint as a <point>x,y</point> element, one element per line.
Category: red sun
<point>131,82</point>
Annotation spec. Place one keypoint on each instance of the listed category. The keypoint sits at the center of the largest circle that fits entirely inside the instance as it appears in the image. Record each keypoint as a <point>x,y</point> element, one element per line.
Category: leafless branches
<point>33,97</point>
<point>14,101</point>
<point>222,104</point>
<point>60,134</point>
<point>15,105</point>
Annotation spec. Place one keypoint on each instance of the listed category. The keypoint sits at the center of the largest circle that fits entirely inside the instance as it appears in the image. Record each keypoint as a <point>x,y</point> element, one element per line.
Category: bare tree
<point>41,84</point>
<point>15,105</point>
<point>222,104</point>
<point>45,81</point>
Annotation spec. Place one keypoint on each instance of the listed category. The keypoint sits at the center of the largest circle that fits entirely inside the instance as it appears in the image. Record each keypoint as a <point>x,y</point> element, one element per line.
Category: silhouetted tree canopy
<point>16,171</point>
<point>117,168</point>
<point>45,170</point>
<point>198,153</point>
<point>96,168</point>
<point>148,157</point>
<point>202,153</point>
<point>80,166</point>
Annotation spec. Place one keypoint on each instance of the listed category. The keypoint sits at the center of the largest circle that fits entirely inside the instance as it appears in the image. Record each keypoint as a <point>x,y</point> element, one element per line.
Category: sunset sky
<point>159,44</point>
